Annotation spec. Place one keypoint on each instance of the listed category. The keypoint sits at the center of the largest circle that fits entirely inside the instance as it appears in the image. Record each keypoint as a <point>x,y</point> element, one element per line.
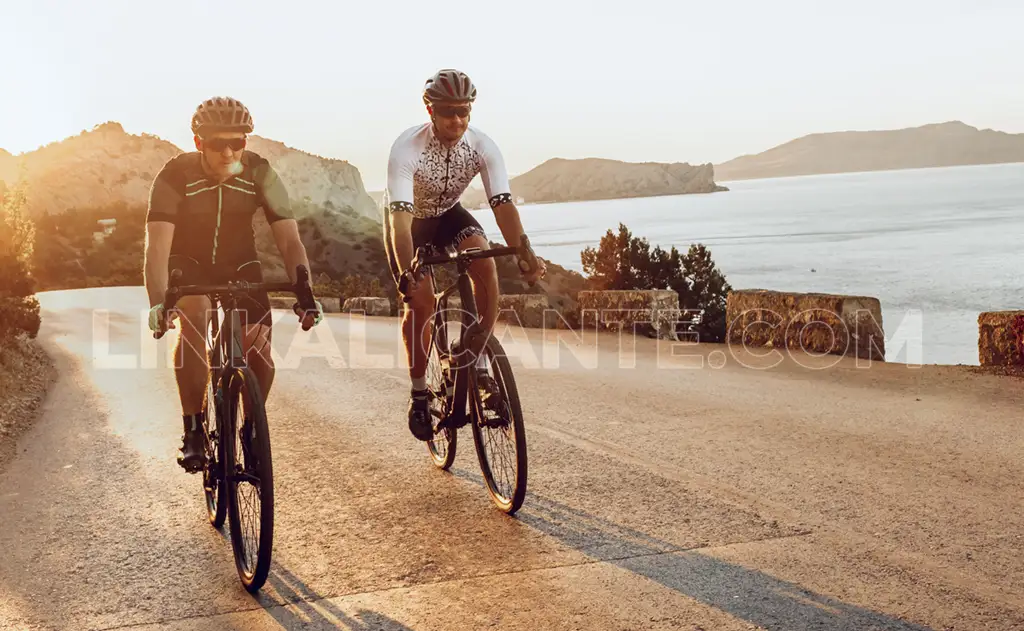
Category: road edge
<point>27,373</point>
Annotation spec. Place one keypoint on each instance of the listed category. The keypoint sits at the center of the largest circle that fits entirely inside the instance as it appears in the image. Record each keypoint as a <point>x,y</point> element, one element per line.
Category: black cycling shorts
<point>253,308</point>
<point>437,234</point>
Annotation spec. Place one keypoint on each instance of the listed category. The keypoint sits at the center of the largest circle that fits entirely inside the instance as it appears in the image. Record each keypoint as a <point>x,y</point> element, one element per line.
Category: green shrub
<point>622,261</point>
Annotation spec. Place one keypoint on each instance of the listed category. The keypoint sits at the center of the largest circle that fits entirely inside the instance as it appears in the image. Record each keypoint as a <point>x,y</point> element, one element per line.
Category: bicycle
<point>246,460</point>
<point>451,377</point>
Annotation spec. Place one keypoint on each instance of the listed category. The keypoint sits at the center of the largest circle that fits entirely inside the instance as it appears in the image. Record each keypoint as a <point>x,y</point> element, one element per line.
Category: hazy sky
<point>638,80</point>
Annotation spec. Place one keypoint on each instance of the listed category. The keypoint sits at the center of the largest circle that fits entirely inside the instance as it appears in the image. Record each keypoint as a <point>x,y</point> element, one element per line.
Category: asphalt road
<point>670,488</point>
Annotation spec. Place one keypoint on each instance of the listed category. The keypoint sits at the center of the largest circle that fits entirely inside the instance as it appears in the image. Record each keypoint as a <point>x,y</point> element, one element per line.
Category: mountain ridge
<point>933,145</point>
<point>106,165</point>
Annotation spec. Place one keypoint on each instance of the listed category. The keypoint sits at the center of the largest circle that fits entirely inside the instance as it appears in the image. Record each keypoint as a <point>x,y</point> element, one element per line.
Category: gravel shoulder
<point>26,374</point>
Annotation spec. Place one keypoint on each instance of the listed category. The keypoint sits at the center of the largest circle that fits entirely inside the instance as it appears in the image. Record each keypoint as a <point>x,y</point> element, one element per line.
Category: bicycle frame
<point>225,342</point>
<point>455,414</point>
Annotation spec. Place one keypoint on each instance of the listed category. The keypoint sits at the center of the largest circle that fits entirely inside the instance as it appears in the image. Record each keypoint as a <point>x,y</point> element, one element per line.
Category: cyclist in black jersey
<point>429,169</point>
<point>201,208</point>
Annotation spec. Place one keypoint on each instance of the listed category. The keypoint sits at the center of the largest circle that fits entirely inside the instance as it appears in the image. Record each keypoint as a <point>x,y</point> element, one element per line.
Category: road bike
<point>238,477</point>
<point>455,399</point>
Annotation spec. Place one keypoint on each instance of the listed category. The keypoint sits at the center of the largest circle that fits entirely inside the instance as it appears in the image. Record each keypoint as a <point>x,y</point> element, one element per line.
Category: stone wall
<point>816,323</point>
<point>653,313</point>
<point>998,338</point>
<point>371,306</point>
<point>527,310</point>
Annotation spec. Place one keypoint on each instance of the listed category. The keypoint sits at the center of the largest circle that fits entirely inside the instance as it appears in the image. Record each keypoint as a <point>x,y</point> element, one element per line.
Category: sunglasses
<point>219,144</point>
<point>450,111</point>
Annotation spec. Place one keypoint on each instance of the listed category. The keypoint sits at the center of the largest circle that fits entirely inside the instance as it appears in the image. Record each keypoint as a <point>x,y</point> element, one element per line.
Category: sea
<point>935,246</point>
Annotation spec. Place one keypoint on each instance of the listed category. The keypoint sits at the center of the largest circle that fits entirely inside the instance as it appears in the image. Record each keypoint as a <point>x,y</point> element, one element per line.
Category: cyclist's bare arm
<point>273,198</point>
<point>506,215</point>
<point>165,197</point>
<point>400,197</point>
<point>401,239</point>
<point>289,244</point>
<point>159,236</point>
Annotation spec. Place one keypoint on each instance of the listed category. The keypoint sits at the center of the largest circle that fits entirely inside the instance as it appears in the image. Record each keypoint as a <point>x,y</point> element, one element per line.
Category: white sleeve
<point>399,193</point>
<point>493,172</point>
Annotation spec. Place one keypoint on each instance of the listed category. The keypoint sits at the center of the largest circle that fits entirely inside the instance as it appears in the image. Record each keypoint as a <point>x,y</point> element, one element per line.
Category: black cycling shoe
<point>419,416</point>
<point>192,456</point>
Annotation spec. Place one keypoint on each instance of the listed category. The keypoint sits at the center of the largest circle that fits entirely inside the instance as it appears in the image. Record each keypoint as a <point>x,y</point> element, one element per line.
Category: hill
<point>106,165</point>
<point>562,180</point>
<point>939,145</point>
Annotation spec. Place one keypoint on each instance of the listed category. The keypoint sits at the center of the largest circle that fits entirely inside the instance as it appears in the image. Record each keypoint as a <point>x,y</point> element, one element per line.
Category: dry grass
<point>26,373</point>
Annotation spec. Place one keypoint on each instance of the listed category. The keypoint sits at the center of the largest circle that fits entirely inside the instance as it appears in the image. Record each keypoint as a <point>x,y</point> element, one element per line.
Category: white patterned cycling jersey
<point>427,179</point>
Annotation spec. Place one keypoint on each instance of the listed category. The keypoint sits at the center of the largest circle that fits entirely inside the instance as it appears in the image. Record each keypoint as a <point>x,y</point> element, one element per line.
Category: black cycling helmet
<point>221,113</point>
<point>449,85</point>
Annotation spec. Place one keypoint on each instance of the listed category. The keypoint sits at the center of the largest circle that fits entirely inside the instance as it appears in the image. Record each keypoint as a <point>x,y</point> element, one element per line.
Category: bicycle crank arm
<point>452,421</point>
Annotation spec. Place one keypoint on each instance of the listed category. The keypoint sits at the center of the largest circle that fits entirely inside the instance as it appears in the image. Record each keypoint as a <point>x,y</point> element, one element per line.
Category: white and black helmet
<point>449,85</point>
<point>221,113</point>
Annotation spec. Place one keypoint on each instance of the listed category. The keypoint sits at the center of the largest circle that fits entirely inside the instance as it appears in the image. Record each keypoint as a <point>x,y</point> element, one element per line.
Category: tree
<point>708,292</point>
<point>19,309</point>
<point>622,261</point>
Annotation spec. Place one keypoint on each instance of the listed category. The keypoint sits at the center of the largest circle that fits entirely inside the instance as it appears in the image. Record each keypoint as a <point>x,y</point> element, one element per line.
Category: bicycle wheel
<point>250,483</point>
<point>213,473</point>
<point>442,447</point>
<point>499,435</point>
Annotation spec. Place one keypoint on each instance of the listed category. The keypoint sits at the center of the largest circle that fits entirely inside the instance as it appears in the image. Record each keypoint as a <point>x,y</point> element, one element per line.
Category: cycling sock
<point>419,383</point>
<point>193,422</point>
<point>482,363</point>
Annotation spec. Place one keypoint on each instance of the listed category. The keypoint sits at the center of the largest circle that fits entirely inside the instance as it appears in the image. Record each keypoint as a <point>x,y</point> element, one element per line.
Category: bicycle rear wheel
<point>499,434</point>
<point>439,376</point>
<point>250,484</point>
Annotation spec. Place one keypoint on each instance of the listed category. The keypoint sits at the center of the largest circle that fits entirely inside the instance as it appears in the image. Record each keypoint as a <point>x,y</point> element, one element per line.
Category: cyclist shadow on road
<point>308,610</point>
<point>305,609</point>
<point>742,592</point>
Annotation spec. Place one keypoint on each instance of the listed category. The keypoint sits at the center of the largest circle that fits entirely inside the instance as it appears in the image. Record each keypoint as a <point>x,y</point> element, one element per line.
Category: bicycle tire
<point>507,501</point>
<point>442,448</point>
<point>251,571</point>
<point>214,488</point>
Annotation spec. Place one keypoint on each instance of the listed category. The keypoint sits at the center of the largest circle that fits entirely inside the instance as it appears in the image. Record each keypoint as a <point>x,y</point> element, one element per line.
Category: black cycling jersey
<point>213,221</point>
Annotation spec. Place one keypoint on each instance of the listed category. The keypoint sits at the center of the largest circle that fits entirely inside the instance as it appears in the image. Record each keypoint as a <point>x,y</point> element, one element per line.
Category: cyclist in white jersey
<point>429,169</point>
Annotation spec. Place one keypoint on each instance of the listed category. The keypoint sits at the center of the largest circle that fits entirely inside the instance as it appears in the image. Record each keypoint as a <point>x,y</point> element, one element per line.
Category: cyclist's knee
<point>421,300</point>
<point>193,317</point>
<point>484,271</point>
<point>258,342</point>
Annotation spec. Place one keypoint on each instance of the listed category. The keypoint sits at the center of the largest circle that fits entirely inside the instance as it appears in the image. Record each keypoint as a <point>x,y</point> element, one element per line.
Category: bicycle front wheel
<point>499,434</point>
<point>213,474</point>
<point>250,486</point>
<point>443,445</point>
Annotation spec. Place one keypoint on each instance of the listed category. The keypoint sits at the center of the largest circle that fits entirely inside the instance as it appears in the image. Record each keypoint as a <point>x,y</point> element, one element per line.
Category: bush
<point>351,286</point>
<point>67,257</point>
<point>622,261</point>
<point>19,309</point>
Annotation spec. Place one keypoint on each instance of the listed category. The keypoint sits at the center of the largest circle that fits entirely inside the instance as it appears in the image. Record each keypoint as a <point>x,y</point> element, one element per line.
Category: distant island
<point>937,145</point>
<point>562,180</point>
